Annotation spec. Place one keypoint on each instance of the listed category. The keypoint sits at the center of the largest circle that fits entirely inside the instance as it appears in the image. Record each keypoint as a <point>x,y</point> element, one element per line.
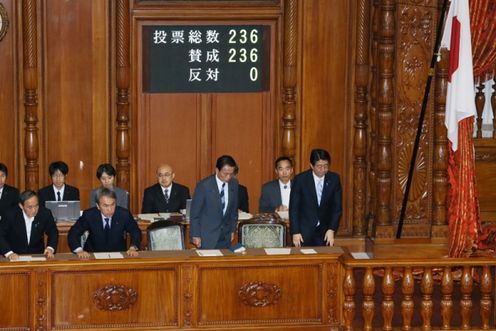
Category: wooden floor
<point>403,248</point>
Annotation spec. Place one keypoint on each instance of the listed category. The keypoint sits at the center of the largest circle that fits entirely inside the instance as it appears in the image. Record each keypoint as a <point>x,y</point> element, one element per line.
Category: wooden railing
<point>411,294</point>
<point>482,98</point>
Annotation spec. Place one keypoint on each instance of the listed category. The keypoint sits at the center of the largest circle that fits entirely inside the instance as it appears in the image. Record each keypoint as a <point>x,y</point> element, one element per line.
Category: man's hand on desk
<point>49,253</point>
<point>83,255</point>
<point>329,238</point>
<point>13,257</point>
<point>196,241</point>
<point>132,251</point>
<point>297,239</point>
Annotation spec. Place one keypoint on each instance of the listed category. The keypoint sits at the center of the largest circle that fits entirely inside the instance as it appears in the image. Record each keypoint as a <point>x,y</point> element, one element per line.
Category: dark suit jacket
<point>154,200</point>
<point>206,219</point>
<point>304,211</point>
<point>243,198</point>
<point>91,221</point>
<point>47,194</point>
<point>9,199</point>
<point>13,235</point>
<point>270,199</point>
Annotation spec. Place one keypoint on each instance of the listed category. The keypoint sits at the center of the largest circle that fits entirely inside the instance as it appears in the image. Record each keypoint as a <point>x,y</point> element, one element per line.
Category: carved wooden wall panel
<point>9,98</point>
<point>115,298</point>
<point>416,26</point>
<point>326,92</point>
<point>485,157</point>
<point>15,290</point>
<point>76,116</point>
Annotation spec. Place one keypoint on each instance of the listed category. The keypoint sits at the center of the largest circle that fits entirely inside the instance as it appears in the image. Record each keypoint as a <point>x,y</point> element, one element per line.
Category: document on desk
<point>209,252</point>
<point>108,255</point>
<point>308,251</point>
<point>361,255</point>
<point>29,258</point>
<point>277,251</point>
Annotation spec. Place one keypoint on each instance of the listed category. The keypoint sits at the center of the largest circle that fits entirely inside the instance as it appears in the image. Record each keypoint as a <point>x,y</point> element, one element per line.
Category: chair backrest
<point>263,231</point>
<point>165,235</point>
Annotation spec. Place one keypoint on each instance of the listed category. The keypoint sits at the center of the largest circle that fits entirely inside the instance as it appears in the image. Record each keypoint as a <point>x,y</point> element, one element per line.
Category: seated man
<point>166,196</point>
<point>59,190</point>
<point>106,175</point>
<point>106,224</point>
<point>9,196</point>
<point>23,229</point>
<point>275,194</point>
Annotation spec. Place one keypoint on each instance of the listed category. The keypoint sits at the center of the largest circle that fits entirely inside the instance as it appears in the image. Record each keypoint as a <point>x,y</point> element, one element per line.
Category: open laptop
<point>64,210</point>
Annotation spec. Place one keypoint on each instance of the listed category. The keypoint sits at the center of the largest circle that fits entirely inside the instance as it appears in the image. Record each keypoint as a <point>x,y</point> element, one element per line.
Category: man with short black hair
<point>214,208</point>
<point>59,190</point>
<point>275,194</point>
<point>107,225</point>
<point>315,203</point>
<point>23,229</point>
<point>9,196</point>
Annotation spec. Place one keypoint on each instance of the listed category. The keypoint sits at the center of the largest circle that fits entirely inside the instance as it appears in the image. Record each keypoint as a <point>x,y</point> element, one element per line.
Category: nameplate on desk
<point>108,255</point>
<point>209,252</point>
<point>29,258</point>
<point>308,251</point>
<point>277,251</point>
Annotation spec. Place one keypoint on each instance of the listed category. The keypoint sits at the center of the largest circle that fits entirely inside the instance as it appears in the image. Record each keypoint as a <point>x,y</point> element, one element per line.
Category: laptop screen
<point>64,210</point>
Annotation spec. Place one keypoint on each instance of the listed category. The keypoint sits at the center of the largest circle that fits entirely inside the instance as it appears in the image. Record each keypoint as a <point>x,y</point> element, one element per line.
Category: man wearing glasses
<point>315,203</point>
<point>166,196</point>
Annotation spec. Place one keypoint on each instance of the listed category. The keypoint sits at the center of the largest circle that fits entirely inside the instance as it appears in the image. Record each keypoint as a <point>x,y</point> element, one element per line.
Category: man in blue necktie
<point>214,208</point>
<point>315,203</point>
<point>107,225</point>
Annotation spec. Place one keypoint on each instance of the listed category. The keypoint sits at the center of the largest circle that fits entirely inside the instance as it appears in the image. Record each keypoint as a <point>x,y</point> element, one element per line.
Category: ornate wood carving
<point>416,26</point>
<point>41,315</point>
<point>486,304</point>
<point>407,305</point>
<point>30,69</point>
<point>259,294</point>
<point>288,143</point>
<point>426,306</point>
<point>349,289</point>
<point>368,305</point>
<point>466,287</point>
<point>486,155</point>
<point>373,118</point>
<point>187,294</point>
<point>113,297</point>
<point>332,294</point>
<point>387,302</point>
<point>122,147</point>
<point>447,298</point>
<point>480,101</point>
<point>385,98</point>
<point>361,103</point>
<point>440,153</point>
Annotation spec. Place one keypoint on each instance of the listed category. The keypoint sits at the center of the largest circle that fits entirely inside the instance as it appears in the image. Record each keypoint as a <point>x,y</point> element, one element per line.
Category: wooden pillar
<point>385,98</point>
<point>30,70</point>
<point>361,104</point>
<point>288,144</point>
<point>122,145</point>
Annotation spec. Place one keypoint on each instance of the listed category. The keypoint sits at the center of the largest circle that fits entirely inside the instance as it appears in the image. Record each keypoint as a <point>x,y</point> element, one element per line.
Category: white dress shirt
<point>55,190</point>
<point>285,192</point>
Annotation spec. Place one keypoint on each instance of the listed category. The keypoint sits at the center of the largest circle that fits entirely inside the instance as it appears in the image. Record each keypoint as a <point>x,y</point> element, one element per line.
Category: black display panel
<point>206,58</point>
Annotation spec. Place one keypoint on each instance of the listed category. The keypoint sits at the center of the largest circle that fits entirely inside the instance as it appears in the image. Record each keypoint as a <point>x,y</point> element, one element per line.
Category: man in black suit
<point>243,203</point>
<point>315,203</point>
<point>166,196</point>
<point>106,224</point>
<point>59,190</point>
<point>275,194</point>
<point>9,196</point>
<point>23,228</point>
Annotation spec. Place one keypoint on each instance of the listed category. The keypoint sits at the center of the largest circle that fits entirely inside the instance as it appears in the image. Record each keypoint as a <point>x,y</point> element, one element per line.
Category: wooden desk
<point>175,290</point>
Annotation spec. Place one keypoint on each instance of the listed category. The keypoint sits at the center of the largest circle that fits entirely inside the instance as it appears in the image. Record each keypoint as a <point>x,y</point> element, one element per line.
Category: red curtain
<point>483,30</point>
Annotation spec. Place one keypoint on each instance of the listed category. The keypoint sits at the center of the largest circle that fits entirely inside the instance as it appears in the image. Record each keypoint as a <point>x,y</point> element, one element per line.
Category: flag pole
<point>436,52</point>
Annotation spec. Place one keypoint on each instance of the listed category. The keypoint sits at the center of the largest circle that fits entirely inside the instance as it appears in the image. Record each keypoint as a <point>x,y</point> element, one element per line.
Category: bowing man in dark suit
<point>315,203</point>
<point>22,229</point>
<point>59,190</point>
<point>214,208</point>
<point>166,196</point>
<point>9,196</point>
<point>107,225</point>
<point>275,194</point>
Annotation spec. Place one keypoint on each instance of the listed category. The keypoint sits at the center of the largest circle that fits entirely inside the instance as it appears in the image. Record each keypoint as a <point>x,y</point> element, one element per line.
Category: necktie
<point>222,197</point>
<point>106,228</point>
<point>58,196</point>
<point>320,186</point>
<point>285,186</point>
<point>166,195</point>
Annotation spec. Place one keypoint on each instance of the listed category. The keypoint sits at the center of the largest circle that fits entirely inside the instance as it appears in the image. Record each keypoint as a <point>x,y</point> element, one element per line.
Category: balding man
<point>166,196</point>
